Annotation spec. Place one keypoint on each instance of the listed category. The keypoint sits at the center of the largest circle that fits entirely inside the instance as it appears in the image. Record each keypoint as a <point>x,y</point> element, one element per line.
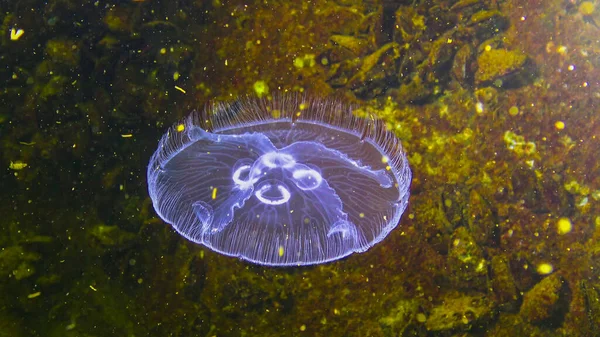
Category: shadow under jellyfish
<point>281,182</point>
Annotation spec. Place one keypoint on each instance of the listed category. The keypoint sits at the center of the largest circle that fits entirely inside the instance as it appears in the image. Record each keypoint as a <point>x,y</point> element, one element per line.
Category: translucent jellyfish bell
<point>282,182</point>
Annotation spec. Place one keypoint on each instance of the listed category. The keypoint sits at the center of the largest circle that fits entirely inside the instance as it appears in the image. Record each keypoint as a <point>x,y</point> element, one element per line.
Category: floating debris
<point>16,33</point>
<point>17,165</point>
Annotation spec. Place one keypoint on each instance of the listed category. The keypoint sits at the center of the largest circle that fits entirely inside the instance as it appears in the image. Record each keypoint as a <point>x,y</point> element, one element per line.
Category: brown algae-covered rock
<point>467,265</point>
<point>488,23</point>
<point>459,313</point>
<point>358,46</point>
<point>375,71</point>
<point>480,219</point>
<point>546,301</point>
<point>498,64</point>
<point>503,284</point>
<point>462,65</point>
<point>400,318</point>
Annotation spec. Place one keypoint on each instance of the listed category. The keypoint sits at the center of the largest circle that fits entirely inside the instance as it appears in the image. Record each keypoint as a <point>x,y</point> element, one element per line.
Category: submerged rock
<point>460,313</point>
<point>503,284</point>
<point>502,67</point>
<point>467,265</point>
<point>358,46</point>
<point>400,318</point>
<point>546,302</point>
<point>462,66</point>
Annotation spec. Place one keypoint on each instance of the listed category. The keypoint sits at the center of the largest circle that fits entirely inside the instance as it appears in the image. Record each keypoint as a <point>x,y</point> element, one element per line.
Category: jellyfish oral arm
<point>306,151</point>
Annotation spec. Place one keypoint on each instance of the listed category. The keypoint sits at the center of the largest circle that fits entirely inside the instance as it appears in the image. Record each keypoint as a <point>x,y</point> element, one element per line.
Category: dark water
<point>495,102</point>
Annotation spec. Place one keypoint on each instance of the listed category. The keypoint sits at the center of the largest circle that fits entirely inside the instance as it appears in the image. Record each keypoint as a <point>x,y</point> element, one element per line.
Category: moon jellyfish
<point>281,182</point>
